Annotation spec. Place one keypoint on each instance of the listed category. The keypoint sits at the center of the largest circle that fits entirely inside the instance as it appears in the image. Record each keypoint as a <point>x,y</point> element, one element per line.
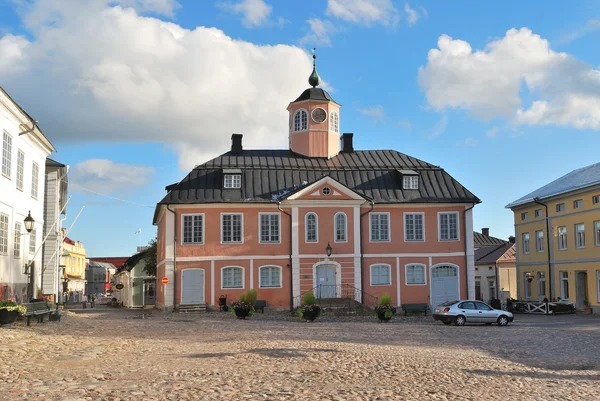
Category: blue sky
<point>134,93</point>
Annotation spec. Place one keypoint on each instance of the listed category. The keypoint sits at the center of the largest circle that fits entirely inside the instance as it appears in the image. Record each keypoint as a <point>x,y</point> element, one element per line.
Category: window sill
<point>411,284</point>
<point>268,288</point>
<point>232,288</point>
<point>192,243</point>
<point>448,240</point>
<point>414,240</point>
<point>379,241</point>
<point>381,285</point>
<point>231,242</point>
<point>269,243</point>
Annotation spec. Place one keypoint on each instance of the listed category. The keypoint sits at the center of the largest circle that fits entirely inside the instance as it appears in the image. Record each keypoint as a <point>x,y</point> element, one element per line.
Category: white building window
<point>580,235</point>
<point>524,216</point>
<point>341,227</point>
<point>597,236</point>
<point>380,227</point>
<point>301,120</point>
<point>380,275</point>
<point>32,240</point>
<point>35,174</point>
<point>415,274</point>
<point>560,207</point>
<point>541,279</point>
<point>538,212</point>
<point>6,154</point>
<point>448,226</point>
<point>193,228</point>
<point>269,227</point>
<point>233,181</point>
<point>491,287</point>
<point>578,204</point>
<point>526,243</point>
<point>3,233</point>
<point>17,252</point>
<point>312,231</point>
<point>334,121</point>
<point>564,285</point>
<point>231,228</point>
<point>270,277</point>
<point>232,277</point>
<point>410,182</point>
<point>20,169</point>
<point>562,238</point>
<point>414,229</point>
<point>539,241</point>
<point>527,284</point>
<point>596,199</point>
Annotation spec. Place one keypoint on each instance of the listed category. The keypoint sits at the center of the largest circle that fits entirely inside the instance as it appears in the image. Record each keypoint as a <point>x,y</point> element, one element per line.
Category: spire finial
<point>314,80</point>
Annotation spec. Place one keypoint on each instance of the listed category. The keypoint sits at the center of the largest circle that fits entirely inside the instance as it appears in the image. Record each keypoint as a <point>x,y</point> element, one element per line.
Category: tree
<point>150,259</point>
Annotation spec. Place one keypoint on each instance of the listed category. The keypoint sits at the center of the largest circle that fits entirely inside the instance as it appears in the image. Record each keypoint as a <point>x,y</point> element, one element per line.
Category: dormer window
<point>301,120</point>
<point>410,182</point>
<point>232,178</point>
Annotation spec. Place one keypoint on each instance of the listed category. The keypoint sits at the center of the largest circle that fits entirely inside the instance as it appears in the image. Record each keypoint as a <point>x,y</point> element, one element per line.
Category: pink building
<point>265,219</point>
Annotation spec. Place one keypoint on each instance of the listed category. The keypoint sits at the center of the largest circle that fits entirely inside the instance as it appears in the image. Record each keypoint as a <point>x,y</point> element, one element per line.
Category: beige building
<point>73,261</point>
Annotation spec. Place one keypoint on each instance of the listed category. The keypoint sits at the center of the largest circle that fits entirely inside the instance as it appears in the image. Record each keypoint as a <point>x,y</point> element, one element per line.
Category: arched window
<point>232,277</point>
<point>415,274</point>
<point>334,121</point>
<point>381,274</point>
<point>341,227</point>
<point>270,277</point>
<point>301,120</point>
<point>312,232</point>
<point>443,271</point>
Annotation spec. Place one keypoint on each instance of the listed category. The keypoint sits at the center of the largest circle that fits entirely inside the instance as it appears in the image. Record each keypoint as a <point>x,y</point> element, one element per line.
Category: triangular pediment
<point>326,188</point>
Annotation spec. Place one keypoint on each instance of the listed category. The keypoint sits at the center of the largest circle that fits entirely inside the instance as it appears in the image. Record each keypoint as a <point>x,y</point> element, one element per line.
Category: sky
<point>505,96</point>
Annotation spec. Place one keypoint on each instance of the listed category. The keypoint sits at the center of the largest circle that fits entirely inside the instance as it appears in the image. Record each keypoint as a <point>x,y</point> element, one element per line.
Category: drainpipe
<point>174,256</point>
<point>466,256</point>
<point>290,265</point>
<point>362,269</point>
<point>550,292</point>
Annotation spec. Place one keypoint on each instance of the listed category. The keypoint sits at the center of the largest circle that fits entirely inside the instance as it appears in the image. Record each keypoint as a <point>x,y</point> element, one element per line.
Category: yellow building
<point>566,263</point>
<point>73,260</point>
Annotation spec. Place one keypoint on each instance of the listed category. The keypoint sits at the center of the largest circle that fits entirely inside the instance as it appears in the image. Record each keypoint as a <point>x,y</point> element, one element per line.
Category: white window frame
<point>334,121</point>
<point>17,246</point>
<point>380,265</point>
<point>525,216</point>
<point>232,181</point>
<point>596,199</point>
<point>541,281</point>
<point>223,281</point>
<point>260,282</point>
<point>539,241</point>
<point>440,227</point>
<point>35,180</point>
<point>410,182</point>
<point>563,277</point>
<point>578,204</point>
<point>538,213</point>
<point>335,228</point>
<point>4,232</point>
<point>201,215</point>
<point>20,169</point>
<point>527,287</point>
<point>316,228</point>
<point>406,215</point>
<point>421,265</point>
<point>598,285</point>
<point>560,206</point>
<point>389,231</point>
<point>562,232</point>
<point>241,228</point>
<point>32,241</point>
<point>526,243</point>
<point>580,236</point>
<point>597,236</point>
<point>260,240</point>
<point>301,126</point>
<point>7,143</point>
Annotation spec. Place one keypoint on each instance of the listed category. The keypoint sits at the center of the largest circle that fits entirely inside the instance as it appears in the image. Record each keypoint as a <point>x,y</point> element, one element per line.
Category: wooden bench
<point>260,304</point>
<point>39,310</point>
<point>415,308</point>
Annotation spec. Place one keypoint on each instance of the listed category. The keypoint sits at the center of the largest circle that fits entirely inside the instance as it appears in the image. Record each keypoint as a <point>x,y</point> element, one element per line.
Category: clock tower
<point>314,128</point>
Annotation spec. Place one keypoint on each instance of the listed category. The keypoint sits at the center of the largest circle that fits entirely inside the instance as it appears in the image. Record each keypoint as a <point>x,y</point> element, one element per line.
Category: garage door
<point>192,287</point>
<point>444,284</point>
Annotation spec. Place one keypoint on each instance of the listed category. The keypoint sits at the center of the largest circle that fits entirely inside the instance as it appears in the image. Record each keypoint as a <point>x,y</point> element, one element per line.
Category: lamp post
<point>328,249</point>
<point>29,223</point>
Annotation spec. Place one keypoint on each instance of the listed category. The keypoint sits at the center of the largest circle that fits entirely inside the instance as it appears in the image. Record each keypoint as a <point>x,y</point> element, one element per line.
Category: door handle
<point>480,312</point>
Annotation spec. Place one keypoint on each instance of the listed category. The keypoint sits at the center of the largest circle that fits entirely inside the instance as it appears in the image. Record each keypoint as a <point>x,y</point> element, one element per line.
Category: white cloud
<point>492,132</point>
<point>468,142</point>
<point>254,12</point>
<point>591,26</point>
<point>319,34</point>
<point>365,12</point>
<point>108,74</point>
<point>106,177</point>
<point>162,7</point>
<point>413,15</point>
<point>489,82</point>
<point>377,113</point>
<point>439,128</point>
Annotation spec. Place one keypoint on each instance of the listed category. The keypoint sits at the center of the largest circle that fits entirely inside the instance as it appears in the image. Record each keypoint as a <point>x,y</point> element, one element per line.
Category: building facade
<point>138,288</point>
<point>23,150</point>
<point>318,216</point>
<point>73,260</point>
<point>557,229</point>
<point>488,250</point>
<point>98,276</point>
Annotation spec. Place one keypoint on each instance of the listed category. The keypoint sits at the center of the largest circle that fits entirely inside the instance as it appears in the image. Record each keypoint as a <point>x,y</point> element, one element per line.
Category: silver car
<point>467,311</point>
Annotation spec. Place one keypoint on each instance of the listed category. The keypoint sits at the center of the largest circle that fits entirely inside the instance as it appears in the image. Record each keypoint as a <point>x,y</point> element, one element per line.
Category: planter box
<point>8,317</point>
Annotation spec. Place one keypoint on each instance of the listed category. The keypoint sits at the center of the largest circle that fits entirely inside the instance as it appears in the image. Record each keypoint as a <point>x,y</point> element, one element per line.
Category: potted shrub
<point>9,311</point>
<point>384,309</point>
<point>309,310</point>
<point>245,306</point>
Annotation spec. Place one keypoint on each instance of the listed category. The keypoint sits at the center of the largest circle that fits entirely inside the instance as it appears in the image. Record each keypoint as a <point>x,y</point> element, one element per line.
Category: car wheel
<point>446,323</point>
<point>460,320</point>
<point>502,321</point>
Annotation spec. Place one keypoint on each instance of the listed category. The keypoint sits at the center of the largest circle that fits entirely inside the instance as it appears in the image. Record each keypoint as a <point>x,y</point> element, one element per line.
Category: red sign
<point>107,286</point>
<point>165,280</point>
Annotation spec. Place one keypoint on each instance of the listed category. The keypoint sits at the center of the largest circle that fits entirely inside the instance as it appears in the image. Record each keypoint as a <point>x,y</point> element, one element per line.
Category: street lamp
<point>29,222</point>
<point>328,249</point>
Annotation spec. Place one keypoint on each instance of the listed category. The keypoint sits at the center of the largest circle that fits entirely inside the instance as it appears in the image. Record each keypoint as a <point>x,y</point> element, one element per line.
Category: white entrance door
<point>192,287</point>
<point>326,284</point>
<point>444,285</point>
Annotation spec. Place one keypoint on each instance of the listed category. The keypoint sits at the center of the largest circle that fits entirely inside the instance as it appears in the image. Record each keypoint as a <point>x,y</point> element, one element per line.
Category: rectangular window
<point>410,182</point>
<point>596,199</point>
<point>232,277</point>
<point>3,233</point>
<point>525,243</point>
<point>478,289</point>
<point>17,252</point>
<point>524,216</point>
<point>270,277</point>
<point>32,240</point>
<point>491,287</point>
<point>580,235</point>
<point>527,284</point>
<point>35,172</point>
<point>538,212</point>
<point>578,204</point>
<point>20,169</point>
<point>231,228</point>
<point>193,228</point>
<point>380,275</point>
<point>539,241</point>
<point>415,274</point>
<point>269,227</point>
<point>6,154</point>
<point>560,207</point>
<point>564,285</point>
<point>541,279</point>
<point>380,227</point>
<point>448,226</point>
<point>597,236</point>
<point>311,228</point>
<point>562,238</point>
<point>233,181</point>
<point>413,227</point>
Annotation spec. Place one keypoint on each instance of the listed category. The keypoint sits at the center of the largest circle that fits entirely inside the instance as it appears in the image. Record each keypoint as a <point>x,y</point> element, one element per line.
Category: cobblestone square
<point>106,354</point>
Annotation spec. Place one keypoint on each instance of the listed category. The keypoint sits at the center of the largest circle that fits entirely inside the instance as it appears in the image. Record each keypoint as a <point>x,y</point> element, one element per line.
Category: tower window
<point>301,120</point>
<point>334,121</point>
<point>233,181</point>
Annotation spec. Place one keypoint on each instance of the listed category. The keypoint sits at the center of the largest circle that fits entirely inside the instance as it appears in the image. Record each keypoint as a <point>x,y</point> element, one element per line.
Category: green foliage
<point>39,292</point>
<point>251,296</point>
<point>300,313</point>
<point>11,305</point>
<point>243,297</point>
<point>388,314</point>
<point>309,298</point>
<point>150,259</point>
<point>385,299</point>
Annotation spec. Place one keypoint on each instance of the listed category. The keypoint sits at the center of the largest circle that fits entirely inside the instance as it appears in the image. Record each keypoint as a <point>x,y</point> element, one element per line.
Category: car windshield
<point>448,303</point>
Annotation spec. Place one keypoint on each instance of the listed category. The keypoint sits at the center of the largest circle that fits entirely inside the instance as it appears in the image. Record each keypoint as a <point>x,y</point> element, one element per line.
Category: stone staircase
<point>192,308</point>
<point>343,307</point>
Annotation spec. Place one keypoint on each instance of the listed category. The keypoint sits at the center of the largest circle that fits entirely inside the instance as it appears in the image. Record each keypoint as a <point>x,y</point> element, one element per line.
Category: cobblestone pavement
<point>108,354</point>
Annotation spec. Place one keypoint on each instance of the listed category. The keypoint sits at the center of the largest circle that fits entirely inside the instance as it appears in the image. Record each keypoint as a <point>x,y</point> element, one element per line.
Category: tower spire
<point>314,80</point>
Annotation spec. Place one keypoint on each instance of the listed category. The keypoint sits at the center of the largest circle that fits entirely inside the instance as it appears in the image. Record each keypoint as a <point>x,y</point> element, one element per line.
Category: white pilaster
<point>357,250</point>
<point>212,282</point>
<point>398,281</point>
<point>251,273</point>
<point>295,254</point>
<point>470,254</point>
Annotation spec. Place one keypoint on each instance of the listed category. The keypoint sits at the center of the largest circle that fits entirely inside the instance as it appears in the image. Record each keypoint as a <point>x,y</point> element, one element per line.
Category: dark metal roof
<point>268,174</point>
<point>490,255</point>
<point>53,163</point>
<point>481,240</point>
<point>314,94</point>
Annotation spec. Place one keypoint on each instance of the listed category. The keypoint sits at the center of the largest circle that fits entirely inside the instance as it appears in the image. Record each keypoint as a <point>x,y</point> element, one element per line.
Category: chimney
<point>485,231</point>
<point>511,239</point>
<point>236,143</point>
<point>347,143</point>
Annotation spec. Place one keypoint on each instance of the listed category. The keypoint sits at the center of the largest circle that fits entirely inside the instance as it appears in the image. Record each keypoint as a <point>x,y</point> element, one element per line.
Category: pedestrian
<point>84,301</point>
<point>92,300</point>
